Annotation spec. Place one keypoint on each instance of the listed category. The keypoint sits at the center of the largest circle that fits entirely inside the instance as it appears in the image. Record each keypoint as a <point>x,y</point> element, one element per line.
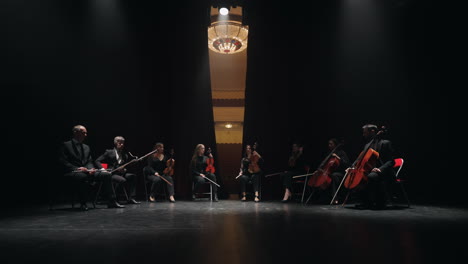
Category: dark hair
<point>334,140</point>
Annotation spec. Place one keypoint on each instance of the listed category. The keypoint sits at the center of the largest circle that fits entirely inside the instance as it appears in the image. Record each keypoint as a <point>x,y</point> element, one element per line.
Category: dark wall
<point>140,69</point>
<point>314,73</point>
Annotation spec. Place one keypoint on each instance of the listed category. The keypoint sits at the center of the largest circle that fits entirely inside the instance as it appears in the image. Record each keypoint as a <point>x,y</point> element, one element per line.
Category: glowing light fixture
<point>223,11</point>
<point>228,125</point>
<point>227,37</point>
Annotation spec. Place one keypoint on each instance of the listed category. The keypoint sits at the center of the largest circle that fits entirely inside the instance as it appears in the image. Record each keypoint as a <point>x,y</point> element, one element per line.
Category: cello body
<point>321,177</point>
<point>364,165</point>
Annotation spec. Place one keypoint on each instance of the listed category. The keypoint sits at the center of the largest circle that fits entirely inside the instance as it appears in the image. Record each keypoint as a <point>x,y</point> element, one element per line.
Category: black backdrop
<point>140,69</point>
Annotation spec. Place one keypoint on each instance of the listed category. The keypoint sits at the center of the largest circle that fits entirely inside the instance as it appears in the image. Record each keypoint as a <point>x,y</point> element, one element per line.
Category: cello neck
<point>329,155</point>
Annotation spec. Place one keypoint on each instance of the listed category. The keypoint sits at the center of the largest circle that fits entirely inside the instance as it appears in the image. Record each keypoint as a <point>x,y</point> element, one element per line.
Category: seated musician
<point>373,194</point>
<point>116,157</point>
<point>249,174</point>
<point>155,170</point>
<point>75,157</point>
<point>296,166</point>
<point>198,166</point>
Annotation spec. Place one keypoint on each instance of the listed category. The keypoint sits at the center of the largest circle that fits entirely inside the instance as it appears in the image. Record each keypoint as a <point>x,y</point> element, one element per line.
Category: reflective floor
<point>234,232</point>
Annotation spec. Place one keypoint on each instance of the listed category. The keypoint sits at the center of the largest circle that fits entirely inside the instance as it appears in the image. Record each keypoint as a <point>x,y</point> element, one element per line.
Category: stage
<point>231,231</point>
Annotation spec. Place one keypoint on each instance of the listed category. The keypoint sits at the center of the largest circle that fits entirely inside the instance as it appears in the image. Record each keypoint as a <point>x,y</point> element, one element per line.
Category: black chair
<point>210,192</point>
<point>160,191</point>
<point>299,186</point>
<point>66,190</point>
<point>98,193</point>
<point>392,196</point>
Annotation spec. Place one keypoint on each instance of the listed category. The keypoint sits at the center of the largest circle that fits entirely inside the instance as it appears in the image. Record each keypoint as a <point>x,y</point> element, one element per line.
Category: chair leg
<point>97,193</point>
<point>125,192</point>
<point>310,196</point>
<point>211,192</point>
<point>304,189</point>
<point>146,188</point>
<point>405,194</point>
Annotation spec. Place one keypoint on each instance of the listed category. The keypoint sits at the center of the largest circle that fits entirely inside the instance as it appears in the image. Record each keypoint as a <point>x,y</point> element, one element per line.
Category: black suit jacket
<point>386,156</point>
<point>110,158</point>
<point>70,157</point>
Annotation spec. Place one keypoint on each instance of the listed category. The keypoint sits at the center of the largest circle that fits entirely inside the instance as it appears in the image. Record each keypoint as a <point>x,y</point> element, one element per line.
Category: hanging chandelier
<point>227,37</point>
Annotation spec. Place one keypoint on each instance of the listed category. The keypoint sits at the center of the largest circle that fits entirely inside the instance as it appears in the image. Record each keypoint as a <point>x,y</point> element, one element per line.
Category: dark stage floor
<point>234,232</point>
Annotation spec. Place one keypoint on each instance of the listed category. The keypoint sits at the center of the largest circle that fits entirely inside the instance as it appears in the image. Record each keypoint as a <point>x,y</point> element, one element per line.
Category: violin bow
<point>132,161</point>
<point>211,181</point>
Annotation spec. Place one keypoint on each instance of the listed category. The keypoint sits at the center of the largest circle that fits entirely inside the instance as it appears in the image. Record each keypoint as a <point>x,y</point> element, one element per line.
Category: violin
<point>210,161</point>
<point>357,174</point>
<point>169,170</point>
<point>254,158</point>
<point>321,177</point>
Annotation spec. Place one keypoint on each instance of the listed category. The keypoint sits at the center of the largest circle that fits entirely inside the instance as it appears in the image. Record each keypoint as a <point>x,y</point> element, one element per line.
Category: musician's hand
<point>336,156</point>
<point>210,155</point>
<point>202,175</point>
<point>82,169</point>
<point>376,170</point>
<point>92,171</point>
<point>156,174</point>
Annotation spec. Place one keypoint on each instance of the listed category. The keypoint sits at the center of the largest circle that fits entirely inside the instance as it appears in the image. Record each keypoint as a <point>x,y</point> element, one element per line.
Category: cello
<point>357,174</point>
<point>321,177</point>
<point>210,161</point>
<point>254,158</point>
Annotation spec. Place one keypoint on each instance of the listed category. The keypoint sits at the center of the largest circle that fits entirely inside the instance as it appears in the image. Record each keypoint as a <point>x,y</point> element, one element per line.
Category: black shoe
<point>84,207</point>
<point>114,204</point>
<point>172,201</point>
<point>133,201</point>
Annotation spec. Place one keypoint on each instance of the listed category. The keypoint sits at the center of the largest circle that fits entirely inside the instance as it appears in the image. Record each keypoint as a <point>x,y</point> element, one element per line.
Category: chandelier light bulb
<point>223,11</point>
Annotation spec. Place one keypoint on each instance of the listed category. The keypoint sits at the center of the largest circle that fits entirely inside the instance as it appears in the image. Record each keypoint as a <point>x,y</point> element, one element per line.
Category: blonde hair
<point>195,153</point>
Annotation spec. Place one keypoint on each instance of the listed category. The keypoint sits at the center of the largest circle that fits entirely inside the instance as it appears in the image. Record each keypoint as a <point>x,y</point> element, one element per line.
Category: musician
<point>75,157</point>
<point>246,174</point>
<point>198,166</point>
<point>296,166</point>
<point>154,172</point>
<point>115,158</point>
<point>339,172</point>
<point>373,195</point>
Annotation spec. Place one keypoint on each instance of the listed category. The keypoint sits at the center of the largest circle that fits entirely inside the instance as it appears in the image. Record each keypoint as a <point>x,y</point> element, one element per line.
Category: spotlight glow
<point>223,11</point>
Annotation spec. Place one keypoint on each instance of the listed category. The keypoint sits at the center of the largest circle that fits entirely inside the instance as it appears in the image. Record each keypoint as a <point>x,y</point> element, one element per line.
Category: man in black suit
<point>373,195</point>
<point>75,156</point>
<point>118,157</point>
